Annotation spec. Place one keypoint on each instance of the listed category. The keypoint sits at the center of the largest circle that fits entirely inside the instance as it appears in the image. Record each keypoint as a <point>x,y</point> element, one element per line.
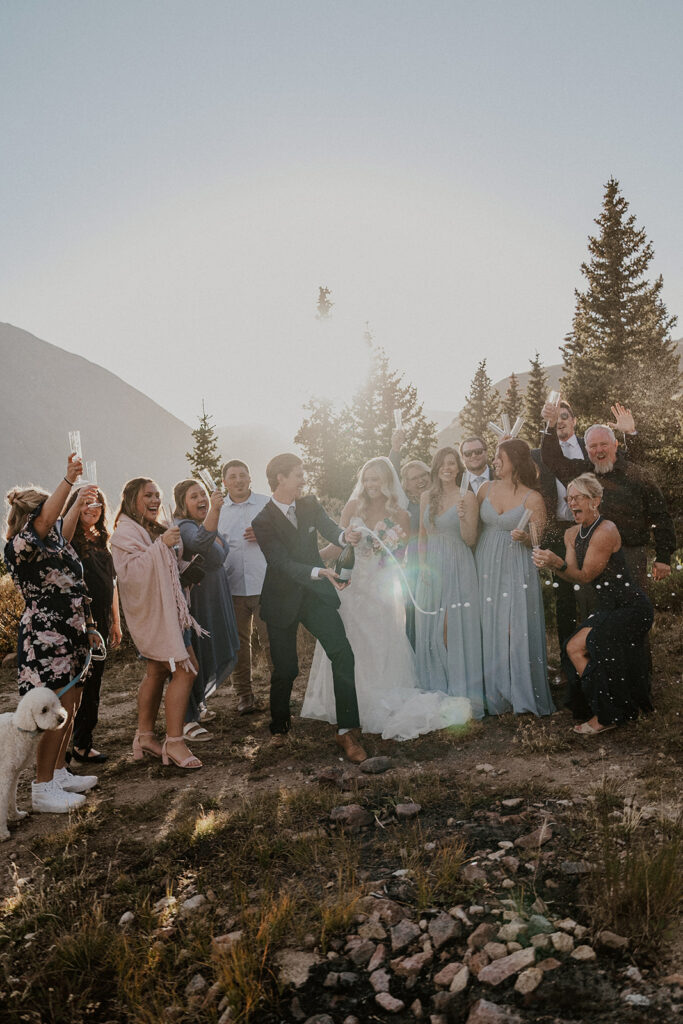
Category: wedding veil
<point>400,494</point>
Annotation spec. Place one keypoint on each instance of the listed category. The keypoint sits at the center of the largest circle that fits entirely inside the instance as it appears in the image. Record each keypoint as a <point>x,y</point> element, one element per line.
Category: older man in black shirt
<point>631,498</point>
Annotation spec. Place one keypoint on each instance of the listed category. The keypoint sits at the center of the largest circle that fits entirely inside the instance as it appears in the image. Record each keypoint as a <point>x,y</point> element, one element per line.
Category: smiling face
<point>91,515</point>
<point>416,480</point>
<point>582,506</point>
<point>602,450</point>
<point>148,502</point>
<point>237,483</point>
<point>373,482</point>
<point>502,465</point>
<point>449,469</point>
<point>290,486</point>
<point>197,503</point>
<point>566,424</point>
<point>474,456</point>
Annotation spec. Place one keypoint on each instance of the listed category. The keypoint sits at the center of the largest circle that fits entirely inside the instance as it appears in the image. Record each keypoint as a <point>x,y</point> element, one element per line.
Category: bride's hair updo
<point>436,487</point>
<point>389,490</point>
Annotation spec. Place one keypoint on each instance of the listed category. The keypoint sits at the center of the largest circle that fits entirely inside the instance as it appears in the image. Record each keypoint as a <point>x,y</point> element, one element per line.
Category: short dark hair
<point>474,437</point>
<point>283,464</point>
<point>565,405</point>
<point>231,465</point>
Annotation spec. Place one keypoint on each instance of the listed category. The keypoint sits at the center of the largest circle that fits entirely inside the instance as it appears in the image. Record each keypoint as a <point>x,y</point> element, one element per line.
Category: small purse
<point>194,572</point>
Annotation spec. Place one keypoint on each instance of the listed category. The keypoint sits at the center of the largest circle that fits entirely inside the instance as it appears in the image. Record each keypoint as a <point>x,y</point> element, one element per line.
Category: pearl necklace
<point>585,536</point>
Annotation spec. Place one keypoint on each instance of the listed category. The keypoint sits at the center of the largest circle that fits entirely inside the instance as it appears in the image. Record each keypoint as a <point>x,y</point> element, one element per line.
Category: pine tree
<point>325,440</point>
<point>481,406</point>
<point>534,400</point>
<point>205,454</point>
<point>513,403</point>
<point>325,304</point>
<point>620,345</point>
<point>372,414</point>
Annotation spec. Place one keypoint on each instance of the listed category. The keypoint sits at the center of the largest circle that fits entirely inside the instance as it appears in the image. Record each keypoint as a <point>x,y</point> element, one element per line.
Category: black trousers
<point>566,598</point>
<point>325,623</point>
<point>88,710</point>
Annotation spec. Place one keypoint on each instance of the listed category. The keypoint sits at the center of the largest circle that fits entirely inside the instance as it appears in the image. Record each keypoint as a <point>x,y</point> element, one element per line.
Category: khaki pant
<point>248,622</point>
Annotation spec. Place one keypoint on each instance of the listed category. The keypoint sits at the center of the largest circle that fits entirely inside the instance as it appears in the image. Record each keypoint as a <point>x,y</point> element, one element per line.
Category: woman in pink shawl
<point>157,616</point>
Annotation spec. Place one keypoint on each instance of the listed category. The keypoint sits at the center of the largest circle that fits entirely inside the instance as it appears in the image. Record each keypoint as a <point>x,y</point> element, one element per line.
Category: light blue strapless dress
<point>449,585</point>
<point>512,619</point>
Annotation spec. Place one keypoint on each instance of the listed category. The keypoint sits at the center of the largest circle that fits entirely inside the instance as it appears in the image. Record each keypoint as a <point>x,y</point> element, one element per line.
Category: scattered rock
<point>376,765</point>
<point>496,950</point>
<point>528,981</point>
<point>226,1016</point>
<point>476,961</point>
<point>584,953</point>
<point>380,981</point>
<point>539,925</point>
<point>174,1012</point>
<point>331,776</point>
<point>416,1010</point>
<point>443,1001</point>
<point>411,966</point>
<point>213,995</point>
<point>567,924</point>
<point>403,934</point>
<point>126,919</point>
<point>197,986</point>
<point>363,952</point>
<point>485,1012</point>
<point>574,867</point>
<point>442,929</point>
<point>460,981</point>
<point>319,1018</point>
<point>351,816</point>
<point>486,768</point>
<point>222,944</point>
<point>512,802</point>
<point>501,970</point>
<point>549,964</point>
<point>372,930</point>
<point>541,942</point>
<point>483,933</point>
<point>408,811</point>
<point>535,839</point>
<point>295,965</point>
<point>635,999</point>
<point>348,979</point>
<point>445,976</point>
<point>673,979</point>
<point>612,941</point>
<point>562,943</point>
<point>377,958</point>
<point>473,873</point>
<point>192,905</point>
<point>389,1002</point>
<point>510,932</point>
<point>165,903</point>
<point>386,910</point>
<point>331,980</point>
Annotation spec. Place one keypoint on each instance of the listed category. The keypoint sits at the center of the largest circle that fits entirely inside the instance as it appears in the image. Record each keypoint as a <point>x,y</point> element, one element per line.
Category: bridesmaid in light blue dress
<point>512,619</point>
<point>448,644</point>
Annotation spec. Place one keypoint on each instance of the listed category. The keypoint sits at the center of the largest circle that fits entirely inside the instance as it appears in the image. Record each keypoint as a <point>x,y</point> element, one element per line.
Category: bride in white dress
<point>373,612</point>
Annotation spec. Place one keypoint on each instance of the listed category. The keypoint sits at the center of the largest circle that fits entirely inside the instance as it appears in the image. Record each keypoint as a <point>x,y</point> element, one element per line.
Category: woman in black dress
<point>606,660</point>
<point>91,541</point>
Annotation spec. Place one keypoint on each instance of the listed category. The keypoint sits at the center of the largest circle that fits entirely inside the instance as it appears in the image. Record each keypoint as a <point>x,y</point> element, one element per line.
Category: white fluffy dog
<point>20,730</point>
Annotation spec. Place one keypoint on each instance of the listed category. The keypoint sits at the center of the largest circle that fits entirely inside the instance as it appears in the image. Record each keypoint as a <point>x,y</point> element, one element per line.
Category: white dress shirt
<point>245,564</point>
<point>571,449</point>
<point>475,480</point>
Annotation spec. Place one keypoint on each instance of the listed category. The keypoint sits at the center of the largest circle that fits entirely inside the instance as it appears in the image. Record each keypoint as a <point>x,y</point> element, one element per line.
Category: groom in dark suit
<point>299,589</point>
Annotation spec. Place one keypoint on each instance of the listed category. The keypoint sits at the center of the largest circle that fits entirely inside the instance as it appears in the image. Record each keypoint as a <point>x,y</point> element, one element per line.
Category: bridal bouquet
<point>392,537</point>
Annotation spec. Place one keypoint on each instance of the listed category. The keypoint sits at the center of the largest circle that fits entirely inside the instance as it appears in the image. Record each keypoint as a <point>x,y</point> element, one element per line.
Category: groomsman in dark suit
<point>475,459</point>
<point>298,589</point>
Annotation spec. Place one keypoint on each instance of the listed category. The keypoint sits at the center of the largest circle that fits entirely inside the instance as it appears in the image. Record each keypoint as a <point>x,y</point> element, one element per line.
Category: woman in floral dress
<point>55,627</point>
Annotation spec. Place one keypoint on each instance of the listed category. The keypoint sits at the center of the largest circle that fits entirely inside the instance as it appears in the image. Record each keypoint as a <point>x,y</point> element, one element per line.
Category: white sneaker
<point>73,783</point>
<point>50,798</point>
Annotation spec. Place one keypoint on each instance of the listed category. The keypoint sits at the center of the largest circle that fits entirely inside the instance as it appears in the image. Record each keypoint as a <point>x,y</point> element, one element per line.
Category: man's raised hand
<point>623,419</point>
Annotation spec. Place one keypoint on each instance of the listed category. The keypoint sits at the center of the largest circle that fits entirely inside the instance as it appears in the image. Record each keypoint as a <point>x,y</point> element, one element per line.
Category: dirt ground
<point>474,769</point>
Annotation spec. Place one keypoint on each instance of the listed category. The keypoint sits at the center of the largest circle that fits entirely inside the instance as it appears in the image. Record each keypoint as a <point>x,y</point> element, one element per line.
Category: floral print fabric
<point>53,642</point>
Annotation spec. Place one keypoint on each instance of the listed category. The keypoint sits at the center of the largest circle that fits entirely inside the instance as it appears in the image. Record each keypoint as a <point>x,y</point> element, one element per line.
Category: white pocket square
<point>311,529</point>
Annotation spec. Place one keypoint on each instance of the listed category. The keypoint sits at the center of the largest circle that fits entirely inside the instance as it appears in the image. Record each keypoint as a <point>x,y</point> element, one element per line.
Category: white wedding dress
<point>389,701</point>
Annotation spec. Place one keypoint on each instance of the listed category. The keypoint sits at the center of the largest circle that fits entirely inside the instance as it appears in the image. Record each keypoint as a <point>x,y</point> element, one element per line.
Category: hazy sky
<point>179,177</point>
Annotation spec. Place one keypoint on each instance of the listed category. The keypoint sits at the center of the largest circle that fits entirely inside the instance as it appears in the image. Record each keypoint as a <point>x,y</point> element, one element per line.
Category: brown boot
<point>351,747</point>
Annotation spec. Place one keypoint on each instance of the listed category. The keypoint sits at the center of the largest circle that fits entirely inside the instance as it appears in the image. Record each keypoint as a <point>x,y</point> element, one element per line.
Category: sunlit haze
<point>179,178</point>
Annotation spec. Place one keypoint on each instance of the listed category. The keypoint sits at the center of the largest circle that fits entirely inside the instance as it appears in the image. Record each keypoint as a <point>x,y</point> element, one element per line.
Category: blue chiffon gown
<point>449,584</point>
<point>512,619</point>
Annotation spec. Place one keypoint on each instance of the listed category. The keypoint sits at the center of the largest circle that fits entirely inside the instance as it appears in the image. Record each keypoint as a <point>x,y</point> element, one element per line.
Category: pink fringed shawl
<point>151,594</point>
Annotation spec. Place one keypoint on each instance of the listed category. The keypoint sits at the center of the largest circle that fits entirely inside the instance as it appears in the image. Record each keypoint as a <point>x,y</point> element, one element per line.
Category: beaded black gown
<point>615,685</point>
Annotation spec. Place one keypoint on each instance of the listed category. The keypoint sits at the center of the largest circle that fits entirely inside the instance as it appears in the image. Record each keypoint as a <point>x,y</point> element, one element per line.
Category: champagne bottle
<point>345,563</point>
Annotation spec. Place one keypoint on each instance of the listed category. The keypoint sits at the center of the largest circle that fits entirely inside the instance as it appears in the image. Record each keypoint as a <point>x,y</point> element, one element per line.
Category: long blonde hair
<point>129,497</point>
<point>22,501</point>
<point>395,501</point>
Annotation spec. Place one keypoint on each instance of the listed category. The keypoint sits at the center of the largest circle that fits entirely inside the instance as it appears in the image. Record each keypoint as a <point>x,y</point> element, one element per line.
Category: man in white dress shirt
<point>246,568</point>
<point>475,458</point>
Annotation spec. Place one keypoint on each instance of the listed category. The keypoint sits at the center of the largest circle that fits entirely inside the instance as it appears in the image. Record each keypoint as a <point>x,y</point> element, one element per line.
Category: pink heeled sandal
<point>139,749</point>
<point>166,756</point>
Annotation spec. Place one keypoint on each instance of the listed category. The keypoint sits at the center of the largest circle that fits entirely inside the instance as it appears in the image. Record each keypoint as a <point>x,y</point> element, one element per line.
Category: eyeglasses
<point>473,451</point>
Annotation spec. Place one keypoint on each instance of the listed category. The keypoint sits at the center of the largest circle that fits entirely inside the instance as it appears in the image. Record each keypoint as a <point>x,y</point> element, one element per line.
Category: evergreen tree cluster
<point>205,454</point>
<point>336,443</point>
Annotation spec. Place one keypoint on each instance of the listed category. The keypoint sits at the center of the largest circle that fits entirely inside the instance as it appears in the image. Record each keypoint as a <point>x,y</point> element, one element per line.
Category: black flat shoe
<point>87,759</point>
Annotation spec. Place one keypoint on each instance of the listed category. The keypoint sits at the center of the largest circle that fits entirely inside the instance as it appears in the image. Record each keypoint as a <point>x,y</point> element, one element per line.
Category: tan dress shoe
<point>351,747</point>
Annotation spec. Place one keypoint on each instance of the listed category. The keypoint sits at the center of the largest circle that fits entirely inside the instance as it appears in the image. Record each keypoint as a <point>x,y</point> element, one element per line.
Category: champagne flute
<point>91,478</point>
<point>553,399</point>
<point>505,420</point>
<point>168,513</point>
<point>398,419</point>
<point>517,426</point>
<point>75,448</point>
<point>535,535</point>
<point>207,480</point>
<point>498,431</point>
